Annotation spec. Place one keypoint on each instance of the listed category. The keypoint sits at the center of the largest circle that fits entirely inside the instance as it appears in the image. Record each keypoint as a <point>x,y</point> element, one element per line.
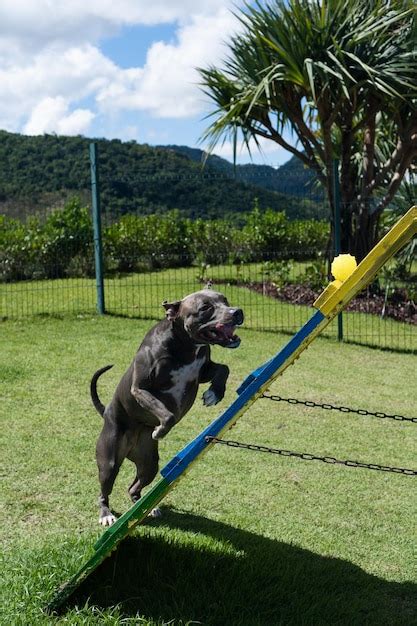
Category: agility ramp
<point>333,300</point>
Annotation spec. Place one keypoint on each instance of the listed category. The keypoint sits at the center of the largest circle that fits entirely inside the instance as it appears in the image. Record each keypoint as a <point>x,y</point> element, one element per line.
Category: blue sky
<point>117,70</point>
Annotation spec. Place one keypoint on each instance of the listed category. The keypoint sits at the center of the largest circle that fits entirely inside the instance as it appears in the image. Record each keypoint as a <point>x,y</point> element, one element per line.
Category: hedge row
<point>62,244</point>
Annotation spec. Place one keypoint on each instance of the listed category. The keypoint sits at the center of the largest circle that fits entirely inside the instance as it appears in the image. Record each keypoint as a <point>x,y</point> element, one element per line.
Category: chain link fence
<point>276,295</point>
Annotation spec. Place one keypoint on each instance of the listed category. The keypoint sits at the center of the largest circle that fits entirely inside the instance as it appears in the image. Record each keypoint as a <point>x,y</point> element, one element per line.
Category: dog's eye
<point>206,307</point>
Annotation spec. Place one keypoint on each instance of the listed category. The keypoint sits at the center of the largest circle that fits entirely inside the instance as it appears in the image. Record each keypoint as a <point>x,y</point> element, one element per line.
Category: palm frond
<point>310,52</point>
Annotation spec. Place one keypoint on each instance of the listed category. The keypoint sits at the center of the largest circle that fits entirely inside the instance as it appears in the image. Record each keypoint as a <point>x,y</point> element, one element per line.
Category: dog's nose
<point>238,317</point>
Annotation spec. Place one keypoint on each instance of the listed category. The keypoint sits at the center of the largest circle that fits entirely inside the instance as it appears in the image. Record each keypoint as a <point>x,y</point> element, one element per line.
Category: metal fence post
<point>98,247</point>
<point>337,234</point>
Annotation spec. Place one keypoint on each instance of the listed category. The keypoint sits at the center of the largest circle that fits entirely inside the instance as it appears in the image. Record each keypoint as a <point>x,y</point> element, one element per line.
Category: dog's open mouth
<point>221,334</point>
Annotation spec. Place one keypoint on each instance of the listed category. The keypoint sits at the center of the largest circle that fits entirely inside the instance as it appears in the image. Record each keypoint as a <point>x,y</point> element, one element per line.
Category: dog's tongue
<point>226,330</point>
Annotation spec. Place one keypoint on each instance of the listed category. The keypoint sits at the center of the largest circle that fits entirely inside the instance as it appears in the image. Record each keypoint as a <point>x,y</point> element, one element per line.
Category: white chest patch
<point>181,377</point>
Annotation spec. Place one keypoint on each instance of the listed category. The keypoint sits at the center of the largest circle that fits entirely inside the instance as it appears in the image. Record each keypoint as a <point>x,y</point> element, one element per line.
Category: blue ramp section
<point>252,376</point>
<point>247,392</point>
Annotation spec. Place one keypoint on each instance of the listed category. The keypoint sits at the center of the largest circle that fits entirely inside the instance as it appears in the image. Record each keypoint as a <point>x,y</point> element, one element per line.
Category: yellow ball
<point>343,266</point>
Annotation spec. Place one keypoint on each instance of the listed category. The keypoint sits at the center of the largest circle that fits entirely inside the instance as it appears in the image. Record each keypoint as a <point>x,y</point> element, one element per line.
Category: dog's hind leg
<point>111,450</point>
<point>145,456</point>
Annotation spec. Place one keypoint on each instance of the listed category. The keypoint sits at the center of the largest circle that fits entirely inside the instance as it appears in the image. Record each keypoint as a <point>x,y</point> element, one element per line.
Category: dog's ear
<point>171,309</point>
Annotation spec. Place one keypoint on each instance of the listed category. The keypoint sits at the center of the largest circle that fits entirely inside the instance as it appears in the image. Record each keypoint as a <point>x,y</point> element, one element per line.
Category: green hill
<point>40,172</point>
<point>292,178</point>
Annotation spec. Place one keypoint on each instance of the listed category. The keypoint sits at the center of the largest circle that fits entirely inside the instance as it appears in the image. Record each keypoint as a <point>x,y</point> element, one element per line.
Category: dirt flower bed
<point>398,307</point>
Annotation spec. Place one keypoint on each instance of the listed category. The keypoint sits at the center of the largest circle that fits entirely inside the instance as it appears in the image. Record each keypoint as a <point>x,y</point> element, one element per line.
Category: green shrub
<point>125,242</point>
<point>315,275</point>
<point>66,234</point>
<point>60,246</point>
<point>211,241</point>
<point>307,238</point>
<point>154,240</point>
<point>63,244</point>
<point>264,235</point>
<point>169,239</point>
<point>17,254</point>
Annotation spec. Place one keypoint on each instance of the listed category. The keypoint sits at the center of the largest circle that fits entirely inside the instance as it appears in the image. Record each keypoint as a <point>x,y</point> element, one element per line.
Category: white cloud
<point>167,85</point>
<point>50,61</point>
<point>52,115</point>
<point>71,74</point>
<point>43,21</point>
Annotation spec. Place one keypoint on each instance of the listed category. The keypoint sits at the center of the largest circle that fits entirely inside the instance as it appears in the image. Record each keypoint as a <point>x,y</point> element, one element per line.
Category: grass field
<point>246,539</point>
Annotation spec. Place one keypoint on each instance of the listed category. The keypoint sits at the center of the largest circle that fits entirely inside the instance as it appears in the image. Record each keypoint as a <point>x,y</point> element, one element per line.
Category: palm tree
<point>342,76</point>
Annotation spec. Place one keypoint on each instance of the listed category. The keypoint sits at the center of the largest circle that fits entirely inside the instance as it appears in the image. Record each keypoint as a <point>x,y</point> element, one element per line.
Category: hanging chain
<point>343,409</point>
<point>325,459</point>
<point>312,457</point>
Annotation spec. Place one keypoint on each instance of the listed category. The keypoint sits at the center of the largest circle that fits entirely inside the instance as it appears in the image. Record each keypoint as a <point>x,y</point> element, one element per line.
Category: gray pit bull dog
<point>160,387</point>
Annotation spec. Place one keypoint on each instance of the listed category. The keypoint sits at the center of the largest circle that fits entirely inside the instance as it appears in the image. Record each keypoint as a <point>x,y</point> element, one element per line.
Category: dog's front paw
<point>210,398</point>
<point>107,520</point>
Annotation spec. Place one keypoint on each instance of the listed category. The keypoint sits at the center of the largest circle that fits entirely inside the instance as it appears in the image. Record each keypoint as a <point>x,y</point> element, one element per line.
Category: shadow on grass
<point>231,576</point>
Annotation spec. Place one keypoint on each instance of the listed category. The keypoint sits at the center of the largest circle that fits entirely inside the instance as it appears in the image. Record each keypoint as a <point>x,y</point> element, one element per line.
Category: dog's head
<point>207,318</point>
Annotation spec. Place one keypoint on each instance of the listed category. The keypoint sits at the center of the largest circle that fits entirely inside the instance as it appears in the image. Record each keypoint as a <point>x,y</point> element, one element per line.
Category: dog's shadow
<point>239,578</point>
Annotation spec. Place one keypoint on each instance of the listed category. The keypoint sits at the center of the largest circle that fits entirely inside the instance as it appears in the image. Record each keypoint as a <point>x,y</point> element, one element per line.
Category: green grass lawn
<point>246,538</point>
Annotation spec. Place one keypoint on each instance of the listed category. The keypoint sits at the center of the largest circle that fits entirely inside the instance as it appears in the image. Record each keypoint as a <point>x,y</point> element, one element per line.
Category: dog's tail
<point>99,406</point>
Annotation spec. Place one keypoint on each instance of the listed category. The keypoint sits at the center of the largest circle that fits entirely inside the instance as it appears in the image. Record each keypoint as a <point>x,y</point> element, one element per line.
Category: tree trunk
<point>364,232</point>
